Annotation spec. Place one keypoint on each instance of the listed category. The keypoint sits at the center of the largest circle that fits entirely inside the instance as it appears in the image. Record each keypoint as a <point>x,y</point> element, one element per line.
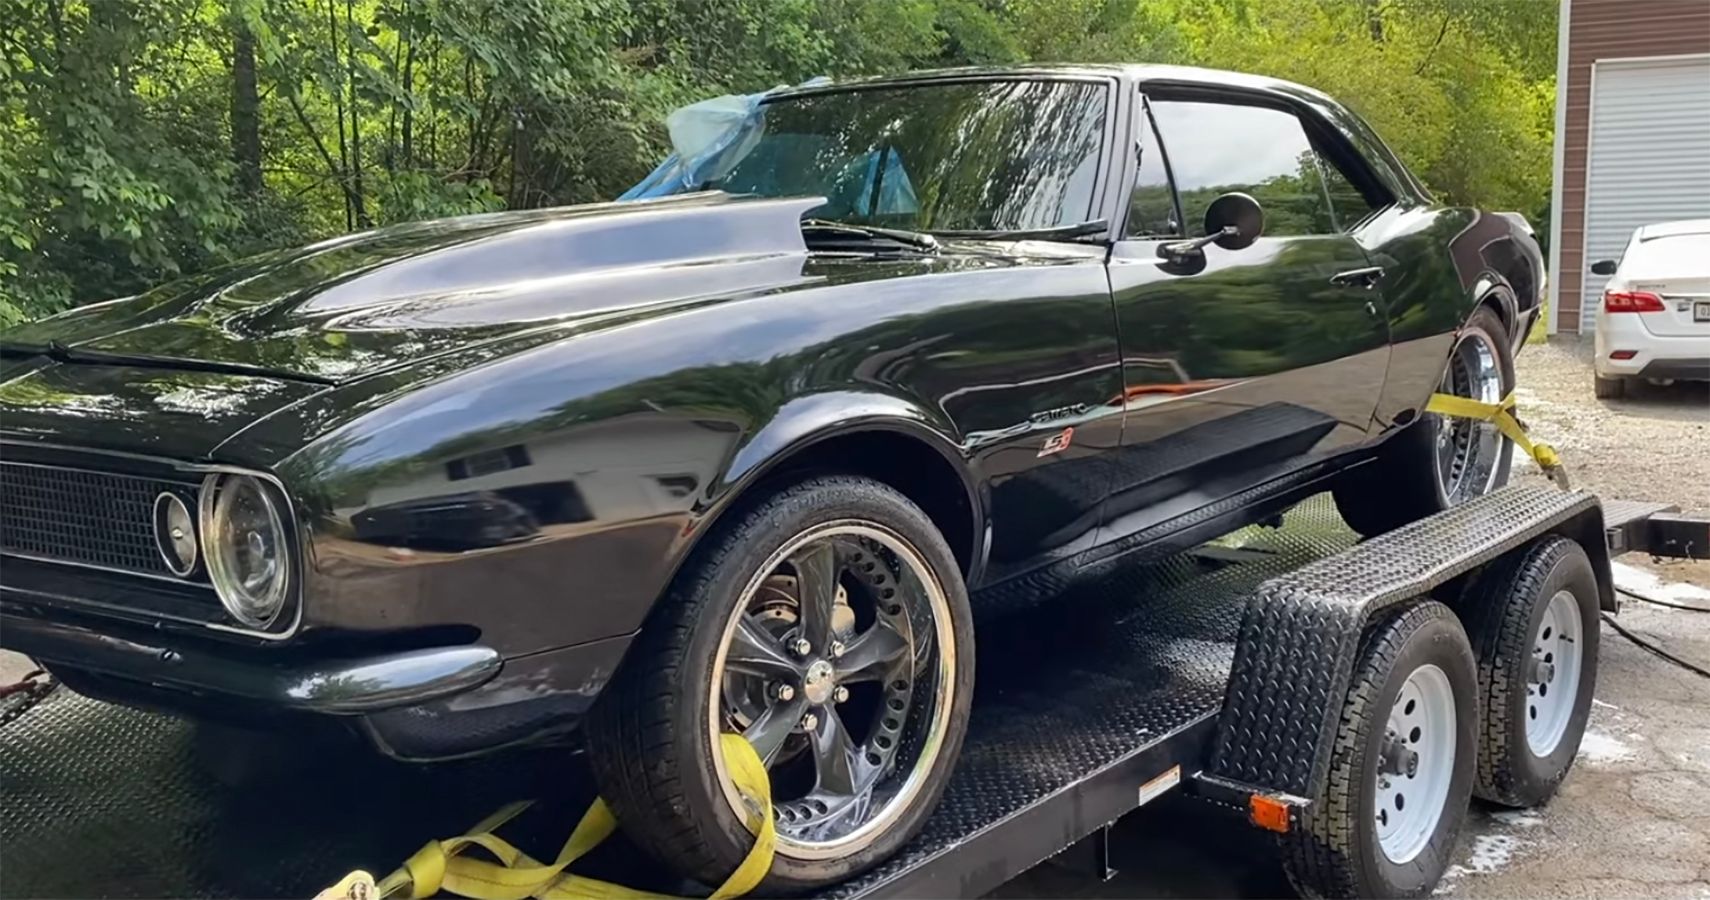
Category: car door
<point>1240,366</point>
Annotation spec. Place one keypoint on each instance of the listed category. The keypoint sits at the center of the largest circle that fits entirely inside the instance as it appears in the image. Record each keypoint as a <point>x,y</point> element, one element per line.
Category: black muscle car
<point>735,460</point>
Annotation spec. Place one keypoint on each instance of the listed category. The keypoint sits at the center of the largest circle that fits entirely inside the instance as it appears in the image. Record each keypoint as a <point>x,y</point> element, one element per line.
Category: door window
<point>1216,148</point>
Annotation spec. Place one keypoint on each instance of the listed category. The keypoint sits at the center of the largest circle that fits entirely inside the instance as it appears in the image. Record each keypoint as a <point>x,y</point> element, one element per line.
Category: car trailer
<point>1220,671</point>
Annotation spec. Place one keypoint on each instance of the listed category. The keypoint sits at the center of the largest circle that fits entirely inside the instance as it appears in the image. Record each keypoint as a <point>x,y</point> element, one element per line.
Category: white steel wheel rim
<point>1410,796</point>
<point>1552,674</point>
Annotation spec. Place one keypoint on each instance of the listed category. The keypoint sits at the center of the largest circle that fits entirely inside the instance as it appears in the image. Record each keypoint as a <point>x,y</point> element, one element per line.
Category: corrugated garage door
<point>1649,158</point>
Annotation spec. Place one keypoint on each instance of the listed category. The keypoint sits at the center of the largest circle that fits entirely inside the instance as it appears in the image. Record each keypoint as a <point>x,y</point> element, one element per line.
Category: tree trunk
<point>362,220</point>
<point>338,109</point>
<point>405,148</point>
<point>246,110</point>
<point>522,147</point>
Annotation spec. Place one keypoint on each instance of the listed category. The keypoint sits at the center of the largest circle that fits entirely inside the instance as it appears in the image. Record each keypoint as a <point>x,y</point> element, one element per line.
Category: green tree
<point>145,139</point>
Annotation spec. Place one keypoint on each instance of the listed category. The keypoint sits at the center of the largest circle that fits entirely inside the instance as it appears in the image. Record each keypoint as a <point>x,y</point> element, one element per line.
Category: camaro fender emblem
<point>1058,442</point>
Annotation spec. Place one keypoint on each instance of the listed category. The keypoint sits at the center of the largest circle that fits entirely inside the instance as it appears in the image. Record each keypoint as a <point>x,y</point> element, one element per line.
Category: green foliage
<point>142,139</point>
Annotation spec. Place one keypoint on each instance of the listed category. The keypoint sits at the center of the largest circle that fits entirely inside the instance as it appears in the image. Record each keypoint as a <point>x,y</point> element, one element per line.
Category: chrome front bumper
<point>331,687</point>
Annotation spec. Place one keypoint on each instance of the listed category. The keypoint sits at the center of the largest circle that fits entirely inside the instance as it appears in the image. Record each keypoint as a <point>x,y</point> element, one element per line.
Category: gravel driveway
<point>1652,445</point>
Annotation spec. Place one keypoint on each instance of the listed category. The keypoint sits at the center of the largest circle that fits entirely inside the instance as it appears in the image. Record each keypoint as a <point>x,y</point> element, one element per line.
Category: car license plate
<point>1701,311</point>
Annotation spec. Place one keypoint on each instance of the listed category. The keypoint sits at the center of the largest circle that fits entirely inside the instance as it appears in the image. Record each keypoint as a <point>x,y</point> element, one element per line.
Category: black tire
<point>1336,851</point>
<point>1401,485</point>
<point>648,738</point>
<point>1503,611</point>
<point>1608,388</point>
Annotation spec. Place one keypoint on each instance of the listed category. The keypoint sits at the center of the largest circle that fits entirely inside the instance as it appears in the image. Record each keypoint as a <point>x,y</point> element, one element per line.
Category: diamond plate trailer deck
<point>1085,697</point>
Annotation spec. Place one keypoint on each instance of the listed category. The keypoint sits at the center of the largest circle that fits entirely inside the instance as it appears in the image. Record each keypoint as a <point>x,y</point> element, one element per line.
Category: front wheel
<point>828,625</point>
<point>1438,462</point>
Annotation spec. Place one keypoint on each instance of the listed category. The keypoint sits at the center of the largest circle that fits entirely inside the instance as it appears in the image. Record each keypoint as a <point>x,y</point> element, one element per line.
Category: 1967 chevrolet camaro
<point>735,460</point>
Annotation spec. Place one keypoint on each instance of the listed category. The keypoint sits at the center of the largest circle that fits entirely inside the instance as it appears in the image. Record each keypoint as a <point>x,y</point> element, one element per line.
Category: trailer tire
<point>1506,611</point>
<point>1336,849</point>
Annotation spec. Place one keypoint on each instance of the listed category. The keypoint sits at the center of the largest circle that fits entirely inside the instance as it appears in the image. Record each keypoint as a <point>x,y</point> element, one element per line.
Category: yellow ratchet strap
<point>515,876</point>
<point>1502,416</point>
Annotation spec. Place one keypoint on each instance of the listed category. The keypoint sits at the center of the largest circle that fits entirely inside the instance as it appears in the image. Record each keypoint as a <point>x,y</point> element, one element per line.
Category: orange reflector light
<point>1268,813</point>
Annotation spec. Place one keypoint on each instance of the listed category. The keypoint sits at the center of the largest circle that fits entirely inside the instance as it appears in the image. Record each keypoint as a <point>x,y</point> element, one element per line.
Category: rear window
<point>1673,255</point>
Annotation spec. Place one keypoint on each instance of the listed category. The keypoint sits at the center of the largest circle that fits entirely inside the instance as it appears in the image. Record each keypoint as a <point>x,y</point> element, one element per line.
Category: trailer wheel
<point>1401,768</point>
<point>1533,621</point>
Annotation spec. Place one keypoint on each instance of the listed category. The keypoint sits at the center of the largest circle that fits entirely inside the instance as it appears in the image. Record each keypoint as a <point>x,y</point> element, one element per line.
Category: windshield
<point>969,156</point>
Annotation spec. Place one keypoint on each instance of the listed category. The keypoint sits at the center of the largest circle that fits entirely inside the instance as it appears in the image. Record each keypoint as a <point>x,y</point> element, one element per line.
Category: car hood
<point>356,305</point>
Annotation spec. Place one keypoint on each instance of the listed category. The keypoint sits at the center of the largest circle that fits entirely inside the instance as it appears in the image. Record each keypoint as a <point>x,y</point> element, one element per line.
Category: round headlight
<point>174,534</point>
<point>244,543</point>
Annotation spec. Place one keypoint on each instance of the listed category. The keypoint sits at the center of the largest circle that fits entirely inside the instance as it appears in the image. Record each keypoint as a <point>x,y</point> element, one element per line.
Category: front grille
<point>77,516</point>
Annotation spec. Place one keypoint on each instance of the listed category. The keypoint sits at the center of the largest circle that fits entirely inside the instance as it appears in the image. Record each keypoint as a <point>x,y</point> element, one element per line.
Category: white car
<point>1654,319</point>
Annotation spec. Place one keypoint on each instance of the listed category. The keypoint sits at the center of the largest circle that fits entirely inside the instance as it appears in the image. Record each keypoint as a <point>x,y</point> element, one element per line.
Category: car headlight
<point>245,547</point>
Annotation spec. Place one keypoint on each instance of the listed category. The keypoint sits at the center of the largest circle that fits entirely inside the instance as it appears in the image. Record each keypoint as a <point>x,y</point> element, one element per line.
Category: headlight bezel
<point>237,602</point>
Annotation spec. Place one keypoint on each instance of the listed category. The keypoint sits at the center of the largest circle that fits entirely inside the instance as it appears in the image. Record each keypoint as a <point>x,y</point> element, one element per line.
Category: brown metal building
<point>1632,135</point>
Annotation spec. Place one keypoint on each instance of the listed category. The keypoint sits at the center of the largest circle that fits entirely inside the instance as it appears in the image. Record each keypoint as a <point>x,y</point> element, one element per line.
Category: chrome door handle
<point>1366,277</point>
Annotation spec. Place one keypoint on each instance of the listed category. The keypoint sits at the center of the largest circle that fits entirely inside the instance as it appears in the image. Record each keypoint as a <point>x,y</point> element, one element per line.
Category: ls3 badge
<point>1058,442</point>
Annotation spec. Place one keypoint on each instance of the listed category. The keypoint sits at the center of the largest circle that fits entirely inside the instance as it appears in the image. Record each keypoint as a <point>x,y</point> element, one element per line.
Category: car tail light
<point>1631,301</point>
<point>1623,354</point>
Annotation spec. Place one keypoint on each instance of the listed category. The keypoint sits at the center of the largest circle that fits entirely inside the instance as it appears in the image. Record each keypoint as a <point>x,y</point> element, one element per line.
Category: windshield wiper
<point>1076,233</point>
<point>848,231</point>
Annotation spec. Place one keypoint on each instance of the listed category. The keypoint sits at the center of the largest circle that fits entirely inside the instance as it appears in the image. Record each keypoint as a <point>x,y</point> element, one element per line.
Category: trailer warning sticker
<point>1151,790</point>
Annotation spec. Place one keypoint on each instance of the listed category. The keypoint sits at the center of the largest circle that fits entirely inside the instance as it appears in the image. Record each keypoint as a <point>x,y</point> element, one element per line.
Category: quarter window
<point>1216,148</point>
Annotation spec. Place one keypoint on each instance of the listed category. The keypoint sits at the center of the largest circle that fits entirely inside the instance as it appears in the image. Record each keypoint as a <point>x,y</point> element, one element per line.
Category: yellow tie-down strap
<point>1502,416</point>
<point>515,876</point>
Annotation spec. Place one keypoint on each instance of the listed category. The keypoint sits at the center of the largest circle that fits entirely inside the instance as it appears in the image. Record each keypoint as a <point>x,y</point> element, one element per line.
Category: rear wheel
<point>828,625</point>
<point>1439,461</point>
<point>1533,621</point>
<point>1608,388</point>
<point>1401,768</point>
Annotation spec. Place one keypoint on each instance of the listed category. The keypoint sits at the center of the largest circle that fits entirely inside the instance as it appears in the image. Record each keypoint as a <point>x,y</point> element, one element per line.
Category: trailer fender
<point>1299,634</point>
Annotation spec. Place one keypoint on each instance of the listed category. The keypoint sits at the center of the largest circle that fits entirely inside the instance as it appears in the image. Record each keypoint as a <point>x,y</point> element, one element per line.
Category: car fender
<point>1493,290</point>
<point>802,423</point>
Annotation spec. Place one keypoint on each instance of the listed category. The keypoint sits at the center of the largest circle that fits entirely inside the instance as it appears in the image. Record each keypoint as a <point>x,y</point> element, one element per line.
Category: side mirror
<point>1239,212</point>
<point>1603,267</point>
<point>1233,221</point>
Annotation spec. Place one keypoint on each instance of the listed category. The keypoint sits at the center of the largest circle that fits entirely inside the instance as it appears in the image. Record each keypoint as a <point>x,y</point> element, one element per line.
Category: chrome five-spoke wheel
<point>838,667</point>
